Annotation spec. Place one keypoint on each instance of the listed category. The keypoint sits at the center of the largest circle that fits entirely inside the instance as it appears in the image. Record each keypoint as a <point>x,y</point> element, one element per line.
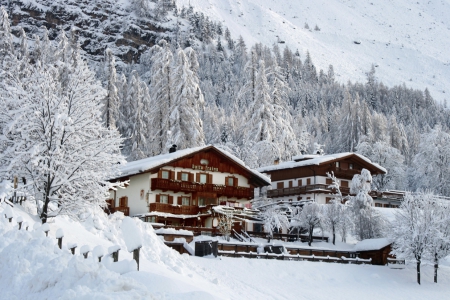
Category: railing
<point>176,210</point>
<point>298,190</point>
<point>124,209</point>
<point>194,187</point>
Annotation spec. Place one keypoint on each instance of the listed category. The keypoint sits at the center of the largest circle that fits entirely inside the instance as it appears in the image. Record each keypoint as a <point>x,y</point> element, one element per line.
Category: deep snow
<point>406,40</point>
<point>33,267</point>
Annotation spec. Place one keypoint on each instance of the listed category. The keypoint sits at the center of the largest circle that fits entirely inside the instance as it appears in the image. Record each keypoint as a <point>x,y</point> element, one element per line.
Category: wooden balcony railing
<point>176,210</point>
<point>299,190</point>
<point>194,187</point>
<point>124,209</point>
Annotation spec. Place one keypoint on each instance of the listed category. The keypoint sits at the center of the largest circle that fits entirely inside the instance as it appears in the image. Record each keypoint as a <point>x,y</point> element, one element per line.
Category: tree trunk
<point>311,228</point>
<point>418,271</point>
<point>334,236</point>
<point>436,265</point>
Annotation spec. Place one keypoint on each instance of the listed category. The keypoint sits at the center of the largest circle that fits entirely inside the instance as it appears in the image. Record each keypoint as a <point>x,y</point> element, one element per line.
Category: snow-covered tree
<point>274,219</point>
<point>432,162</point>
<point>332,213</point>
<point>368,222</point>
<point>388,157</point>
<point>309,217</point>
<point>55,140</point>
<point>112,103</point>
<point>185,124</point>
<point>225,224</point>
<point>414,227</point>
<point>439,245</point>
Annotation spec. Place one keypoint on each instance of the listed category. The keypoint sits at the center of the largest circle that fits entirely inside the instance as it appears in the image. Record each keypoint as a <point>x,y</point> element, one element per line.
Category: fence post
<point>114,252</point>
<point>59,237</point>
<point>72,247</point>
<point>85,250</point>
<point>136,256</point>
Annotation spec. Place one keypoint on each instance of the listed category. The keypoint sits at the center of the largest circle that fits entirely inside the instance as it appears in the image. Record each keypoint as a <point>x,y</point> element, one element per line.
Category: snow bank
<point>131,234</point>
<point>31,268</point>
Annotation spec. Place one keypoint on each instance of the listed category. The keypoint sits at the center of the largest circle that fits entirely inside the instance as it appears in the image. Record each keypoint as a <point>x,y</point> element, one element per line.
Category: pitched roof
<point>310,160</point>
<point>372,244</point>
<point>155,162</point>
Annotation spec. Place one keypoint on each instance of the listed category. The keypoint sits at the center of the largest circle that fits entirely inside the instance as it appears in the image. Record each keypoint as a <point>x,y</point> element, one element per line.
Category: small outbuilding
<point>377,249</point>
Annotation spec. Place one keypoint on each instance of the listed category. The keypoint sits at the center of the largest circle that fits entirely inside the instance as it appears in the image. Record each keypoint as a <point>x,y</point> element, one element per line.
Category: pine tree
<point>112,104</point>
<point>185,125</point>
<point>161,97</point>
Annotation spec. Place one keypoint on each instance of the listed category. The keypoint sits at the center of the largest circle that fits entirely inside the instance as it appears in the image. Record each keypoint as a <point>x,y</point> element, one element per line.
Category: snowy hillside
<point>406,40</point>
<point>33,267</point>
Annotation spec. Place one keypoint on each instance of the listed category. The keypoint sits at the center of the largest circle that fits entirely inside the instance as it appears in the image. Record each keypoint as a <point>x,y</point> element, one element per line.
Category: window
<point>344,183</point>
<point>300,182</point>
<point>230,181</point>
<point>151,219</point>
<point>201,201</point>
<point>184,176</point>
<point>308,181</point>
<point>164,199</point>
<point>280,185</point>
<point>328,181</point>
<point>378,205</point>
<point>337,164</point>
<point>164,174</point>
<point>185,201</point>
<point>203,178</point>
<point>327,200</point>
<point>350,166</point>
<point>290,183</point>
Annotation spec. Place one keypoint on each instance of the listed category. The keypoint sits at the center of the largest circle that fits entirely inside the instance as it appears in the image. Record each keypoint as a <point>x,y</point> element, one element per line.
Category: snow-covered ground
<point>406,40</point>
<point>32,267</point>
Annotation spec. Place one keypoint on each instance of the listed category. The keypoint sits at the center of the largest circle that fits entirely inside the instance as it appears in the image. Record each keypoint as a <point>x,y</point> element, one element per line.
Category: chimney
<point>173,149</point>
<point>276,161</point>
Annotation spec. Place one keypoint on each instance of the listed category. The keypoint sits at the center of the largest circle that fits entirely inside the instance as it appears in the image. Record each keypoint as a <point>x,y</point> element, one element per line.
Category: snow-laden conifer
<point>186,126</point>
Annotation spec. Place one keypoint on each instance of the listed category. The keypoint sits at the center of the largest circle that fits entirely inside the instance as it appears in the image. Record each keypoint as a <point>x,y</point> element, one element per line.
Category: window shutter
<point>308,181</point>
<point>197,179</point>
<point>172,175</point>
<point>226,180</point>
<point>157,199</point>
<point>160,173</point>
<point>209,179</point>
<point>235,181</point>
<point>191,177</point>
<point>299,182</point>
<point>179,200</point>
<point>170,199</point>
<point>178,175</point>
<point>328,181</point>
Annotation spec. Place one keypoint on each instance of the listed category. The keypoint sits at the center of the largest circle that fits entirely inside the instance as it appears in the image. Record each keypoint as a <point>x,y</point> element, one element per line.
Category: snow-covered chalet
<point>305,178</point>
<point>186,187</point>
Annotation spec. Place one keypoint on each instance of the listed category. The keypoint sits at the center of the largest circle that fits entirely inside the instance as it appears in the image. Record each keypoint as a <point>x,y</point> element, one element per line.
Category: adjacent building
<point>305,177</point>
<point>182,187</point>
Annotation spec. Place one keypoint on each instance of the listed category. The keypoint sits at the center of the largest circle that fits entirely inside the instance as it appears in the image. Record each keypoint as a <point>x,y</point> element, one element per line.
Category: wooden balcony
<point>307,189</point>
<point>124,209</point>
<point>194,187</point>
<point>174,209</point>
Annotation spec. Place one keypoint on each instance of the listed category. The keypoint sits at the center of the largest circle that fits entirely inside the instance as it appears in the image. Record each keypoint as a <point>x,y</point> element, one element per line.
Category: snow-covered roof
<point>309,160</point>
<point>372,244</point>
<point>147,164</point>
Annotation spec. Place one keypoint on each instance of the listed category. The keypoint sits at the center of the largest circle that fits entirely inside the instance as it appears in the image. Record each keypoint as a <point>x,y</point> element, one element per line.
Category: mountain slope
<point>406,41</point>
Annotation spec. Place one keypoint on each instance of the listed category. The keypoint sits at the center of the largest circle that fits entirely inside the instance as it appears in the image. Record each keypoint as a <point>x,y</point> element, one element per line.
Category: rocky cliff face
<point>98,23</point>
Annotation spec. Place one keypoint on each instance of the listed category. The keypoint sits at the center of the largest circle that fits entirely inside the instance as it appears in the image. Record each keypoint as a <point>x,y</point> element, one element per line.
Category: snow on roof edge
<point>316,161</point>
